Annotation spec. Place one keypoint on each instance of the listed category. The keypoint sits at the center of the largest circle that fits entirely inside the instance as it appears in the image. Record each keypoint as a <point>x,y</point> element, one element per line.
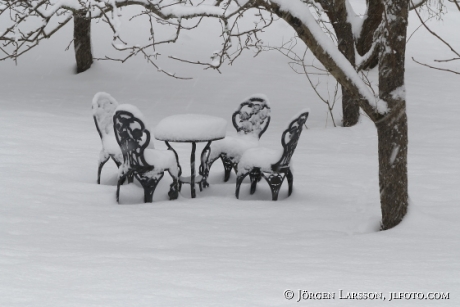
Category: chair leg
<point>174,189</point>
<point>149,184</point>
<point>290,179</point>
<point>102,161</point>
<point>235,168</point>
<point>203,184</point>
<point>228,166</point>
<point>239,180</point>
<point>122,180</point>
<point>119,183</point>
<point>148,193</point>
<point>118,163</point>
<point>255,177</point>
<point>130,178</point>
<point>275,181</point>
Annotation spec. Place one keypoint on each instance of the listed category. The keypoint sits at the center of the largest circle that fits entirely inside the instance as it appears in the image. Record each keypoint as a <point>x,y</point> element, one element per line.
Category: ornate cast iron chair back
<point>252,117</point>
<point>103,107</point>
<point>289,141</point>
<point>281,169</point>
<point>133,138</point>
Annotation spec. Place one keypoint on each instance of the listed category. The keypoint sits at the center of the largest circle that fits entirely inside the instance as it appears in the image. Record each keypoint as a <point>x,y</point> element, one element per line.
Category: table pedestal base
<point>193,179</point>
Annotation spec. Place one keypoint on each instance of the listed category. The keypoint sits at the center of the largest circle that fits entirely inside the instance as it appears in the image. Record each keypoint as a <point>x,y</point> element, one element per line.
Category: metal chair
<point>272,165</point>
<point>104,106</point>
<point>145,164</point>
<point>250,120</point>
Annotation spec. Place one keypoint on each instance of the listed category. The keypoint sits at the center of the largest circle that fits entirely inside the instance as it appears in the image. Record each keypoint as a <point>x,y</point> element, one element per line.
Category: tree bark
<point>82,40</point>
<point>323,56</point>
<point>337,13</point>
<point>392,153</point>
<point>350,109</point>
<point>370,25</point>
<point>392,129</point>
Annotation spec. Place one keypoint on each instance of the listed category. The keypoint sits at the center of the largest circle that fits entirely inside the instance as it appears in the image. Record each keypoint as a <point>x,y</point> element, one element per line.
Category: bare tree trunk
<point>370,25</point>
<point>392,129</point>
<point>392,151</point>
<point>82,40</point>
<point>350,109</point>
<point>323,56</point>
<point>337,14</point>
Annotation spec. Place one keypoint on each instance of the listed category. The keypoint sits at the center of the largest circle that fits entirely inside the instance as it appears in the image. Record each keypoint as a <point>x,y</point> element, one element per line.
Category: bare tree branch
<point>423,23</point>
<point>457,3</point>
<point>298,62</point>
<point>417,4</point>
<point>436,35</point>
<point>437,68</point>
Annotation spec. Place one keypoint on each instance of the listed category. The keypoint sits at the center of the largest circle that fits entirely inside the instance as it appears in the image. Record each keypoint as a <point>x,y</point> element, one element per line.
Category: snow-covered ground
<point>64,241</point>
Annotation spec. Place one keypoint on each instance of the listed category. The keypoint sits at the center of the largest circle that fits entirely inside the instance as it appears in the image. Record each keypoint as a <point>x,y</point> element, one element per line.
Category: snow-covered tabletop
<point>190,128</point>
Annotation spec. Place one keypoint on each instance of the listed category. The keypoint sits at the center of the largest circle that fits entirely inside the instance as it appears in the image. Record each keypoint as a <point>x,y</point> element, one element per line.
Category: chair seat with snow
<point>272,165</point>
<point>147,165</point>
<point>104,106</point>
<point>250,120</point>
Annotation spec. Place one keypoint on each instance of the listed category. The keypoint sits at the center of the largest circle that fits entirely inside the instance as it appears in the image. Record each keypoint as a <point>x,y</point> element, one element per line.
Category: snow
<point>354,19</point>
<point>191,127</point>
<point>257,95</point>
<point>109,143</point>
<point>399,93</point>
<point>260,157</point>
<point>64,241</point>
<point>161,160</point>
<point>104,107</point>
<point>264,158</point>
<point>256,122</point>
<point>297,115</point>
<point>394,154</point>
<point>133,110</point>
<point>234,147</point>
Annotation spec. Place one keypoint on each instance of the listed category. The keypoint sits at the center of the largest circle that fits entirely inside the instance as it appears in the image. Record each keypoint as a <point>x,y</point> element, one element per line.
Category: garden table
<point>192,128</point>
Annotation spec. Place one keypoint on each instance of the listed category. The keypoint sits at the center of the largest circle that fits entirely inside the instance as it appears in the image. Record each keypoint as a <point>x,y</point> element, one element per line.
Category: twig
<point>437,68</point>
<point>434,34</point>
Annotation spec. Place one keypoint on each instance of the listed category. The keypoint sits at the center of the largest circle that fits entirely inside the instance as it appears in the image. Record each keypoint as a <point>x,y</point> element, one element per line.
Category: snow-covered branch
<point>299,17</point>
<point>20,30</point>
